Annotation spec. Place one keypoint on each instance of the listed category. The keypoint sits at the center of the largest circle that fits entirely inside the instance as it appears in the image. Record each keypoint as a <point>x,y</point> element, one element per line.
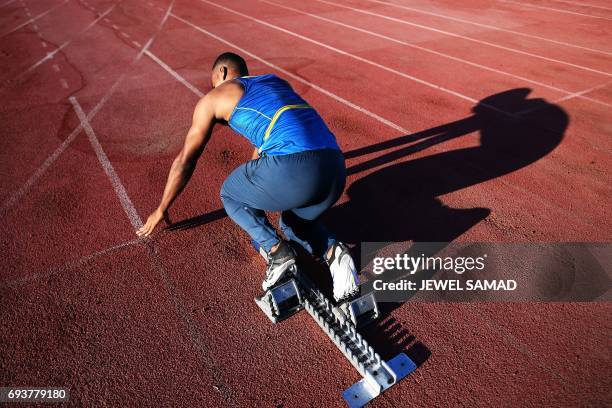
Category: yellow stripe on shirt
<point>279,112</point>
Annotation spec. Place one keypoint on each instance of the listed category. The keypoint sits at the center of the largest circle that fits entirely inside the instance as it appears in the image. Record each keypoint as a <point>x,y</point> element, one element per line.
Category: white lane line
<point>431,51</point>
<point>35,27</point>
<point>115,27</point>
<point>364,60</point>
<point>64,83</point>
<point>463,37</point>
<point>56,68</point>
<point>51,54</point>
<point>122,194</point>
<point>161,24</point>
<point>16,196</point>
<point>168,11</point>
<point>7,3</point>
<point>126,35</point>
<point>586,91</point>
<point>299,79</point>
<point>107,20</point>
<point>33,18</point>
<point>583,4</point>
<point>44,44</point>
<point>555,9</point>
<point>175,74</point>
<point>568,97</point>
<point>136,43</point>
<point>69,265</point>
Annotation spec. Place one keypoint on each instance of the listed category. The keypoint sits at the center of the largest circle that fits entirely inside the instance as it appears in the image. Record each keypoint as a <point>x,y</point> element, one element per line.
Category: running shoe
<point>343,271</point>
<point>279,263</point>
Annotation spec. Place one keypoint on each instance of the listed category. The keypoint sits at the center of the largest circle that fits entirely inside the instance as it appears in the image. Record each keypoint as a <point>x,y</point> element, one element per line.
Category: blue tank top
<point>276,120</point>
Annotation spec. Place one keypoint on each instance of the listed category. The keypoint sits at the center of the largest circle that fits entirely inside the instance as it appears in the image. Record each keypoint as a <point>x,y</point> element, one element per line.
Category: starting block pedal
<point>360,311</point>
<point>281,301</point>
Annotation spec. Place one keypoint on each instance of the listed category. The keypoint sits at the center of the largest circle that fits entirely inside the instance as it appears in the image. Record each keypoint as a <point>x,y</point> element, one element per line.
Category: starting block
<point>340,323</point>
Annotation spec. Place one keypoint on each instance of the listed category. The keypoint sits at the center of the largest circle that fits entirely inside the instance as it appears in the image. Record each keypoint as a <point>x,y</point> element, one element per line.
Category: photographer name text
<point>446,285</point>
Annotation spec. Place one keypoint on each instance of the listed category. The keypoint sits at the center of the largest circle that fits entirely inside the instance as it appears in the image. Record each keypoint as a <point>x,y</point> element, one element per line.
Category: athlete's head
<point>228,66</point>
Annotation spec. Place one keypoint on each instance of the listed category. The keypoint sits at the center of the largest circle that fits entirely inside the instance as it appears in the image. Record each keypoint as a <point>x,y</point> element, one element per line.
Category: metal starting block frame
<point>281,301</point>
<point>340,323</point>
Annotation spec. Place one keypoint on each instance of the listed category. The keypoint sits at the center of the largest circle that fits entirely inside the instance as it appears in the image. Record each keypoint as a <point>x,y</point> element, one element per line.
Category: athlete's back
<point>276,120</point>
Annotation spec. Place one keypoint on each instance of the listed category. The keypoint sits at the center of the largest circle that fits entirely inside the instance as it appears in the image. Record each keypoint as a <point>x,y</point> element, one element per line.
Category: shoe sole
<point>348,295</point>
<point>278,274</point>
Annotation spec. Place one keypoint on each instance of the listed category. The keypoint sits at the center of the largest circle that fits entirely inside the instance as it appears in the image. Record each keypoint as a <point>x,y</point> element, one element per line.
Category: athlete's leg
<point>244,202</point>
<point>306,183</point>
<point>273,183</point>
<point>301,224</point>
<point>246,194</point>
<point>304,228</point>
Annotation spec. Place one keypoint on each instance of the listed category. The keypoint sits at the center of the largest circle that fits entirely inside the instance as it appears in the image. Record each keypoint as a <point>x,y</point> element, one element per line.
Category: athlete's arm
<point>185,162</point>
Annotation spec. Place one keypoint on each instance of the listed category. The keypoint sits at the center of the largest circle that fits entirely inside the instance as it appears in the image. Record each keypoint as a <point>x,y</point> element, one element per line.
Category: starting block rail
<point>341,324</point>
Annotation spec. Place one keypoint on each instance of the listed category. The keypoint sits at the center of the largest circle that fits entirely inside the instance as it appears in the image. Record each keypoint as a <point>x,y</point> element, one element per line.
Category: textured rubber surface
<point>171,320</point>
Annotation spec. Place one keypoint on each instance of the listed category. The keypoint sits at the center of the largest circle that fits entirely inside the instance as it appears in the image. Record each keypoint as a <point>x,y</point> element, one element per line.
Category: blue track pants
<point>300,185</point>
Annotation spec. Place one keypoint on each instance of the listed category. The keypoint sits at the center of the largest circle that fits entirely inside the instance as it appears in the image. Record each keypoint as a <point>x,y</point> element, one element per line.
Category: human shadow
<point>193,222</point>
<point>402,202</point>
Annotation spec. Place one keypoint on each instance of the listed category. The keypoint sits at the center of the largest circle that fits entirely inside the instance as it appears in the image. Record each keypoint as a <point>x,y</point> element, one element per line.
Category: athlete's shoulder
<point>223,99</point>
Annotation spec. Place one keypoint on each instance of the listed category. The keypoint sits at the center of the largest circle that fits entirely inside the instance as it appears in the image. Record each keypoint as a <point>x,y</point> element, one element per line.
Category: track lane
<point>62,217</point>
<point>517,55</point>
<point>102,329</point>
<point>19,11</point>
<point>115,230</point>
<point>487,13</point>
<point>104,77</point>
<point>21,71</point>
<point>492,19</point>
<point>390,105</point>
<point>528,5</point>
<point>487,76</point>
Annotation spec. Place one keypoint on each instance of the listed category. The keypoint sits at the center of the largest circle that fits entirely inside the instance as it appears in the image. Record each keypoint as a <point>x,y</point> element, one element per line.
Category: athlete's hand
<point>154,219</point>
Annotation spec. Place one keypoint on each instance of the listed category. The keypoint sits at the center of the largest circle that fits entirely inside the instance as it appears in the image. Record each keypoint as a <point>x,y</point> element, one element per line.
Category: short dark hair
<point>232,61</point>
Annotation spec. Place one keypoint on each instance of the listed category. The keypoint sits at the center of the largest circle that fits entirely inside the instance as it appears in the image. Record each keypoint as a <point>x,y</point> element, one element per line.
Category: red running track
<point>408,87</point>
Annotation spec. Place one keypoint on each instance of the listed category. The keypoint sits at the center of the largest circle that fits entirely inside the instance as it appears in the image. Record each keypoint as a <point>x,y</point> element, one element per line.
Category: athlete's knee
<point>226,195</point>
